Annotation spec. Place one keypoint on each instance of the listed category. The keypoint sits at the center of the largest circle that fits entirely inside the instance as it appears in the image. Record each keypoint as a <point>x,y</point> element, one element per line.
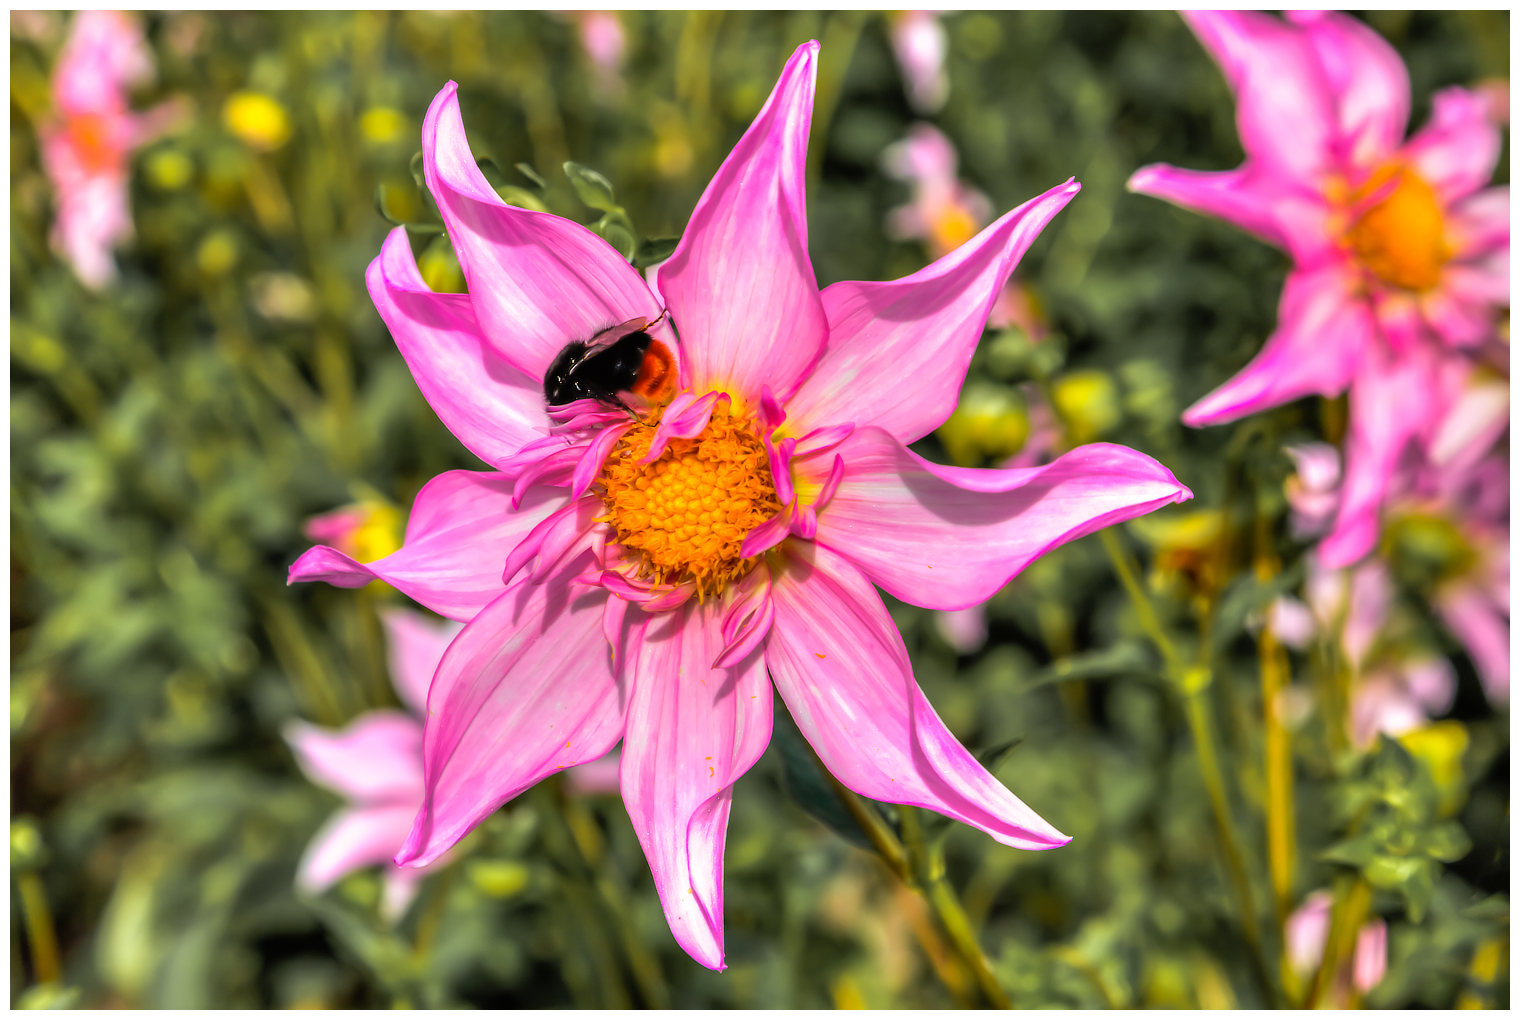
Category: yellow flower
<point>259,121</point>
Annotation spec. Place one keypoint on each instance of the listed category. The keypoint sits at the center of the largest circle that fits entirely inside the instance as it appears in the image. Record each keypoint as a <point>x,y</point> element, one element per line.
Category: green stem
<point>1192,683</point>
<point>921,867</point>
<point>928,857</point>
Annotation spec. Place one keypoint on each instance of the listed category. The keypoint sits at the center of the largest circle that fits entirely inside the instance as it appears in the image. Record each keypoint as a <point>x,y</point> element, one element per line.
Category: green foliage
<point>170,435</point>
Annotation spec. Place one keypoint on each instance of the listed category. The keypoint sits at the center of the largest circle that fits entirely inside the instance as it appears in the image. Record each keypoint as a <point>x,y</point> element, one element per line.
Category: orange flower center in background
<point>952,227</point>
<point>1401,239</point>
<point>687,512</point>
<point>93,141</point>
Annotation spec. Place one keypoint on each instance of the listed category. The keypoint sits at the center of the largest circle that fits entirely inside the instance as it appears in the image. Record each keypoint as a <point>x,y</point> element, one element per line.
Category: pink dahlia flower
<point>1308,929</point>
<point>375,762</point>
<point>86,148</point>
<point>1400,251</point>
<point>647,577</point>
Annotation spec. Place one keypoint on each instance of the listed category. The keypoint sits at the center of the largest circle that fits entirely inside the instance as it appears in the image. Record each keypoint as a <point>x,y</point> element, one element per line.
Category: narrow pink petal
<point>353,838</point>
<point>377,758</point>
<point>1456,151</point>
<point>685,418</point>
<point>1391,403</point>
<point>397,890</point>
<point>1284,107</point>
<point>841,668</point>
<point>692,731</point>
<point>1368,79</point>
<point>547,543</point>
<point>1478,283</point>
<point>898,351</point>
<point>1323,327</point>
<point>740,284</point>
<point>1371,959</point>
<point>948,538</point>
<point>1480,222</point>
<point>490,406</point>
<point>414,646</point>
<point>526,689</point>
<point>537,281</point>
<point>461,530</point>
<point>1250,197</point>
<point>613,615</point>
<point>1458,322</point>
<point>748,620</point>
<point>590,464</point>
<point>769,534</point>
<point>1483,629</point>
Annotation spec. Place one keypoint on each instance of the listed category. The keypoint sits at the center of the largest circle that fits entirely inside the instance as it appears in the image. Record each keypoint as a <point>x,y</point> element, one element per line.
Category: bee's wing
<point>611,335</point>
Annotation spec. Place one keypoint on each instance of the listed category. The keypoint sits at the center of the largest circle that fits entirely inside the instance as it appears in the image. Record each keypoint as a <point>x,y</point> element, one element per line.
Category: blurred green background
<point>171,433</point>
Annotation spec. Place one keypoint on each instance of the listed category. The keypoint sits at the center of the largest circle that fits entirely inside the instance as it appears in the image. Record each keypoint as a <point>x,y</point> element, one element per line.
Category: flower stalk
<point>1192,683</point>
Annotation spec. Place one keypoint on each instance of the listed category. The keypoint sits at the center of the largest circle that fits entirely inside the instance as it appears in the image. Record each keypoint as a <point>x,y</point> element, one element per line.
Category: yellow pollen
<point>1401,238</point>
<point>687,513</point>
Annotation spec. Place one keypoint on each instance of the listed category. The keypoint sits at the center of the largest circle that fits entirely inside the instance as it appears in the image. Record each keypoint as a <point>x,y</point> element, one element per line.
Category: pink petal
<point>377,758</point>
<point>1483,628</point>
<point>898,351</point>
<point>490,406</point>
<point>1391,403</point>
<point>740,284</point>
<point>414,646</point>
<point>1284,107</point>
<point>1307,929</point>
<point>1480,223</point>
<point>840,666</point>
<point>1369,82</point>
<point>461,530</point>
<point>526,689</point>
<point>353,838</point>
<point>692,731</point>
<point>1322,329</point>
<point>1456,151</point>
<point>1371,960</point>
<point>948,538</point>
<point>1252,198</point>
<point>537,281</point>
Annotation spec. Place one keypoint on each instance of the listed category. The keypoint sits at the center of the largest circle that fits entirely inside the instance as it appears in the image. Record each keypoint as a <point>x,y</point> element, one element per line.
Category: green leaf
<point>809,787</point>
<point>592,188</point>
<point>532,175</point>
<point>1126,658</point>
<point>386,208</point>
<point>616,235</point>
<point>654,249</point>
<point>1446,842</point>
<point>417,173</point>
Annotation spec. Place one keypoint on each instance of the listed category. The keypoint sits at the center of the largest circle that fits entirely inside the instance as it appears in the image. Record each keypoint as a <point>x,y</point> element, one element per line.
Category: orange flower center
<point>688,511</point>
<point>1401,239</point>
<point>93,141</point>
<point>953,227</point>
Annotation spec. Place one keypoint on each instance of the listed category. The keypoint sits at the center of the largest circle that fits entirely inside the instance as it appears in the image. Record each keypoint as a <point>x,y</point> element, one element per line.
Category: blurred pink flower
<point>1401,697</point>
<point>920,45</point>
<point>602,38</point>
<point>375,762</point>
<point>945,213</point>
<point>965,630</point>
<point>87,146</point>
<point>1308,929</point>
<point>1401,254</point>
<point>1314,492</point>
<point>583,626</point>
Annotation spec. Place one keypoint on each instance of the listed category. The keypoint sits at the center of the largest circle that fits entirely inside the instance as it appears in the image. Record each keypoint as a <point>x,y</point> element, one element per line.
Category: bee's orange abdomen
<point>656,381</point>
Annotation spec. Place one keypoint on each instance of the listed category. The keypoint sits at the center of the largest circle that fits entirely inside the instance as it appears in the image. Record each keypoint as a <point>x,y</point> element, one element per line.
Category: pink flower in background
<point>367,530</point>
<point>87,147</point>
<point>375,762</point>
<point>602,38</point>
<point>1455,499</point>
<point>965,630</point>
<point>945,213</point>
<point>647,579</point>
<point>920,45</point>
<point>1401,252</point>
<point>1308,929</point>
